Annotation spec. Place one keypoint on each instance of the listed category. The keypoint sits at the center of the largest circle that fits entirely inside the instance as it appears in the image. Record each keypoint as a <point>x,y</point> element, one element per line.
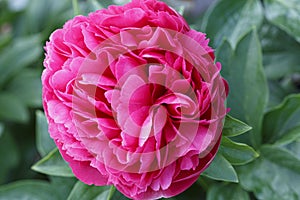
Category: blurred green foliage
<point>258,45</point>
<point>24,28</point>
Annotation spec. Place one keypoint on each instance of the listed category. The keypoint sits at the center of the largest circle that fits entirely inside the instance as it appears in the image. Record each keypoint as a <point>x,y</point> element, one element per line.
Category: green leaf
<point>277,93</point>
<point>62,185</point>
<point>29,189</point>
<point>30,81</point>
<point>53,164</point>
<point>5,39</point>
<point>226,192</point>
<point>243,70</point>
<point>12,108</point>
<point>43,141</point>
<point>43,16</point>
<point>232,20</point>
<point>1,129</point>
<point>237,153</point>
<point>282,119</point>
<point>276,55</point>
<point>23,52</point>
<point>221,169</point>
<point>119,196</point>
<point>82,191</point>
<point>281,157</point>
<point>273,176</point>
<point>274,62</point>
<point>9,155</point>
<point>285,15</point>
<point>290,136</point>
<point>294,148</point>
<point>234,127</point>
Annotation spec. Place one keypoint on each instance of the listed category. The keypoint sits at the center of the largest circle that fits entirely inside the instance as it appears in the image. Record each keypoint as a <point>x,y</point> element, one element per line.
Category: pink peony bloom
<point>134,99</point>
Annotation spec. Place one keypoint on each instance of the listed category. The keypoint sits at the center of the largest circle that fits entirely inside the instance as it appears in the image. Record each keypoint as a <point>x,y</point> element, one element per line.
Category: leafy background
<point>258,44</point>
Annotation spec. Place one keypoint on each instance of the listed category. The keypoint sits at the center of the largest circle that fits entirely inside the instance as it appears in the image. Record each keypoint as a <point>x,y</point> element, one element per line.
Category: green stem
<point>75,7</point>
<point>111,192</point>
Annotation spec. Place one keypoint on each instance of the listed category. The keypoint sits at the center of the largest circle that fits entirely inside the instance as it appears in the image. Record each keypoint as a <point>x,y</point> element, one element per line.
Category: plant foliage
<point>258,44</point>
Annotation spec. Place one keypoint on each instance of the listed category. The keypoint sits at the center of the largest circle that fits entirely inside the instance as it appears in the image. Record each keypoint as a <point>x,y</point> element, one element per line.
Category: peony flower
<point>134,99</point>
